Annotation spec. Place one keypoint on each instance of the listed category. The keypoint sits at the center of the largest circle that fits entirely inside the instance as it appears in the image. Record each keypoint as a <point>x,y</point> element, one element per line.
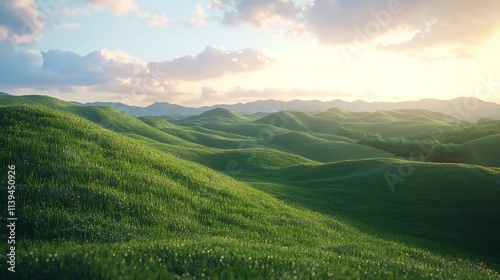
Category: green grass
<point>148,199</point>
<point>298,121</point>
<point>217,114</point>
<point>324,150</point>
<point>395,123</point>
<point>460,208</point>
<point>205,138</point>
<point>483,151</point>
<point>157,122</point>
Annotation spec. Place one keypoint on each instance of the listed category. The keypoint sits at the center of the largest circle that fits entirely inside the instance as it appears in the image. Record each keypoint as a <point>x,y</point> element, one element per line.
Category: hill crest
<point>218,113</point>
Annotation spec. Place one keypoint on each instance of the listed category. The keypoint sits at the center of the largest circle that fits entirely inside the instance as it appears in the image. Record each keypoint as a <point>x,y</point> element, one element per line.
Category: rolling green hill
<point>254,130</point>
<point>118,121</point>
<point>297,121</point>
<point>157,122</point>
<point>460,208</point>
<point>395,123</point>
<point>324,150</point>
<point>217,114</point>
<point>483,151</point>
<point>37,100</point>
<point>206,138</point>
<point>103,195</point>
<point>337,113</point>
<point>106,117</point>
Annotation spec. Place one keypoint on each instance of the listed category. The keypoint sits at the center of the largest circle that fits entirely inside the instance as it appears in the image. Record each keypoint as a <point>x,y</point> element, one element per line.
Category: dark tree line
<point>465,133</point>
<point>433,151</point>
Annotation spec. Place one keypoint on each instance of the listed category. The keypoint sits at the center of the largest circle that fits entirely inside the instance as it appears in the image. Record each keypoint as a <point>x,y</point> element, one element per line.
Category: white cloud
<point>23,21</point>
<point>218,4</point>
<point>122,7</point>
<point>259,13</point>
<point>117,7</point>
<point>201,18</point>
<point>58,68</point>
<point>394,25</point>
<point>67,25</point>
<point>119,72</point>
<point>4,33</point>
<point>456,25</point>
<point>156,20</point>
<point>211,63</point>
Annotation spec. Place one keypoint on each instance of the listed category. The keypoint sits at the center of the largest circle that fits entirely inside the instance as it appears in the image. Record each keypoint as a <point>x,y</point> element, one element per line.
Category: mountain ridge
<point>464,108</point>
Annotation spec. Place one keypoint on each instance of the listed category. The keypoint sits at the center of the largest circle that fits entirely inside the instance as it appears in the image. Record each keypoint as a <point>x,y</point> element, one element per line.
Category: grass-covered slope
<point>106,117</point>
<point>483,151</point>
<point>235,162</point>
<point>81,183</point>
<point>298,121</point>
<point>394,123</point>
<point>118,121</point>
<point>36,100</point>
<point>80,174</point>
<point>448,203</point>
<point>101,203</point>
<point>324,150</point>
<point>206,138</point>
<point>217,114</point>
<point>254,130</point>
<point>297,143</point>
<point>157,122</point>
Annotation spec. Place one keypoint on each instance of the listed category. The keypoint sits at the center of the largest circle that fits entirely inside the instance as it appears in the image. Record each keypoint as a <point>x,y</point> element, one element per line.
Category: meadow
<point>104,195</point>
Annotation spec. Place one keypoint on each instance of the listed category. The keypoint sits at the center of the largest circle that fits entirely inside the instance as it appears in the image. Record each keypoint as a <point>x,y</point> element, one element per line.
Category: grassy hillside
<point>206,138</point>
<point>461,208</point>
<point>297,121</point>
<point>106,117</point>
<point>37,100</point>
<point>235,162</point>
<point>157,122</point>
<point>323,150</point>
<point>118,121</point>
<point>395,123</point>
<point>246,129</point>
<point>217,114</point>
<point>130,200</point>
<point>483,151</point>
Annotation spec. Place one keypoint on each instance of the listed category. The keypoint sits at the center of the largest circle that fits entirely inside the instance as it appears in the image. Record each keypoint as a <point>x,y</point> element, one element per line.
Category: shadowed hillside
<point>324,150</point>
<point>483,151</point>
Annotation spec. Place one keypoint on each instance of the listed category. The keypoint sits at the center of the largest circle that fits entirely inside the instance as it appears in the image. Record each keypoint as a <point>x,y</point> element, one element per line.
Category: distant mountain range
<point>465,108</point>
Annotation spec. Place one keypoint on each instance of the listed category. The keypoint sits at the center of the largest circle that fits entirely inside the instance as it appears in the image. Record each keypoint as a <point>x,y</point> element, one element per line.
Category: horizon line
<point>256,100</point>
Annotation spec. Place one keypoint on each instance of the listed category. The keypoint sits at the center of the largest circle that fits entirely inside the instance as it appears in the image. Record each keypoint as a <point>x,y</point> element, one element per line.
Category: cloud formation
<point>23,22</point>
<point>400,25</point>
<point>258,12</point>
<point>20,21</point>
<point>425,22</point>
<point>117,7</point>
<point>56,68</point>
<point>200,19</point>
<point>122,7</point>
<point>155,20</point>
<point>211,63</point>
<point>116,71</point>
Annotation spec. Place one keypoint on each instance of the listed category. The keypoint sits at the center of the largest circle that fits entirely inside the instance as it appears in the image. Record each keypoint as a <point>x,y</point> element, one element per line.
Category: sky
<point>195,52</point>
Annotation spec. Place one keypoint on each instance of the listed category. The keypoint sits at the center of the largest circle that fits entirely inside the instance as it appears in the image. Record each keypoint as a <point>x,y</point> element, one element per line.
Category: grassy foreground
<point>123,199</point>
